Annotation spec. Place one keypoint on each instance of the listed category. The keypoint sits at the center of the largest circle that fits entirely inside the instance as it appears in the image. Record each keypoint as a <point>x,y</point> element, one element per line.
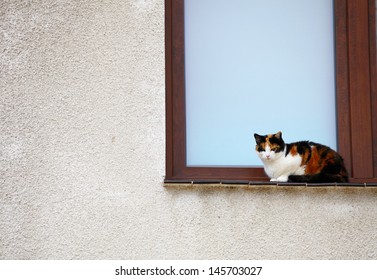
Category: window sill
<point>252,184</point>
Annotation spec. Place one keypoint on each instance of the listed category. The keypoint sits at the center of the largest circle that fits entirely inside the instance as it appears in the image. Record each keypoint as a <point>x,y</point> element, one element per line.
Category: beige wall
<point>82,154</point>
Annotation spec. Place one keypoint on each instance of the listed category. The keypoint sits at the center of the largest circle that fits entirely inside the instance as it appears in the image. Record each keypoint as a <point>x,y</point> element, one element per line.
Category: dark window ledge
<point>233,183</point>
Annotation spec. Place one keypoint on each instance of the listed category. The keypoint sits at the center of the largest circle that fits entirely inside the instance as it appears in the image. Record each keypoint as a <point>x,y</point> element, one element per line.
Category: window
<point>355,44</point>
<point>246,73</point>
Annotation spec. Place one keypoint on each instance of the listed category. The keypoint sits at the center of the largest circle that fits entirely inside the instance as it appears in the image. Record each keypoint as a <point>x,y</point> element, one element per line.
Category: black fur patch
<point>277,141</point>
<point>260,138</point>
<point>302,146</point>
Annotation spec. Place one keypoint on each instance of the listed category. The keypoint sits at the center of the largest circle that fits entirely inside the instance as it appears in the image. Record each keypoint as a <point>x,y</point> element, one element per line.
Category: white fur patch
<point>278,166</point>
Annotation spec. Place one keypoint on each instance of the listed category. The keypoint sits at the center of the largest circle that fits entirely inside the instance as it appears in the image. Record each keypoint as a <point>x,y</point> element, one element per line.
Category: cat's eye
<point>261,149</point>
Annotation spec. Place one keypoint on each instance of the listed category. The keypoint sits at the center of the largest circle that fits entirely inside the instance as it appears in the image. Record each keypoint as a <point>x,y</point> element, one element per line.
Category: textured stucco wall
<point>82,154</point>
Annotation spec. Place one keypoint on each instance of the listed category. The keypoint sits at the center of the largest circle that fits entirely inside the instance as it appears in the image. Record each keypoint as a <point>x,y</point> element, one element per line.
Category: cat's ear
<point>278,135</point>
<point>258,138</point>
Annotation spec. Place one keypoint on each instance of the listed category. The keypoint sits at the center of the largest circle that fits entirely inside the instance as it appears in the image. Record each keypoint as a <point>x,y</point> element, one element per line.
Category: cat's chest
<point>287,165</point>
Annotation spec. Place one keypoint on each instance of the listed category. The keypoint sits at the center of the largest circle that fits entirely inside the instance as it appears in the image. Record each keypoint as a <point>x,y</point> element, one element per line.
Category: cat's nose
<point>267,156</point>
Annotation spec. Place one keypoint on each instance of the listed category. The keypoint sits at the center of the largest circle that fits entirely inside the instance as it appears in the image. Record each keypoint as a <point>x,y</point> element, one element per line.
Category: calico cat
<point>302,161</point>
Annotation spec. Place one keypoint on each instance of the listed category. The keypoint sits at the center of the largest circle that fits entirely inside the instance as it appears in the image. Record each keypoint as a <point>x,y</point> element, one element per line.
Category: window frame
<point>355,55</point>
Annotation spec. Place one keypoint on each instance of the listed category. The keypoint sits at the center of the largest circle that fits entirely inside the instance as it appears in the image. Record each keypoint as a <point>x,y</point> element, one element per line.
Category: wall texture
<point>82,154</point>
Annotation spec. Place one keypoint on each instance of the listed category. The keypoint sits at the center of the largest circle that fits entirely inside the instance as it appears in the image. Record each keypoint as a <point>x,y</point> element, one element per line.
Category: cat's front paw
<point>273,180</point>
<point>282,178</point>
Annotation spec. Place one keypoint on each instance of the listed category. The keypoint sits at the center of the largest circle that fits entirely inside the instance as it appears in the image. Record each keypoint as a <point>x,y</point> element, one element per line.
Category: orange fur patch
<point>313,165</point>
<point>293,151</point>
<point>319,159</point>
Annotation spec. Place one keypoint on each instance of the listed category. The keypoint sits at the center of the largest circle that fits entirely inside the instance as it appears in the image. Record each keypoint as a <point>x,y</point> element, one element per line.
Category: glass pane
<point>257,66</point>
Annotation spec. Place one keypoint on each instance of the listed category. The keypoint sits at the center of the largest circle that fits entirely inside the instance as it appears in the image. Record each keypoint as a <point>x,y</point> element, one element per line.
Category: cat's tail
<point>319,178</point>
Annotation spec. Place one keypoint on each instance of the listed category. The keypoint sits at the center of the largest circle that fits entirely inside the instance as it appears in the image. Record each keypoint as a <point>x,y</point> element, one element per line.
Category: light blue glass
<point>257,66</point>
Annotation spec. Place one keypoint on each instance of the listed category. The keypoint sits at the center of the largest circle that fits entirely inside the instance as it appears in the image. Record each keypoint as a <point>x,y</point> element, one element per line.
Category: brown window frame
<point>356,82</point>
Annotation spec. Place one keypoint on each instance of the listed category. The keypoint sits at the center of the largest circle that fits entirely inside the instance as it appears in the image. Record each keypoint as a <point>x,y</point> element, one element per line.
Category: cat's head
<point>269,147</point>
